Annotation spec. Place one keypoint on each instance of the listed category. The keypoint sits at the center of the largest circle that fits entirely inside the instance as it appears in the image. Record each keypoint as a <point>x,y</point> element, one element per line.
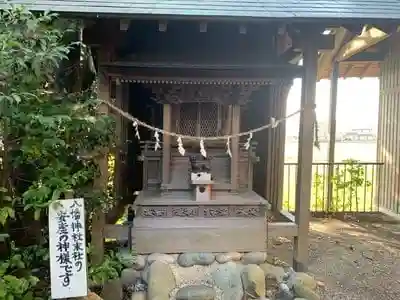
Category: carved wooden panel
<point>201,210</point>
<point>224,94</point>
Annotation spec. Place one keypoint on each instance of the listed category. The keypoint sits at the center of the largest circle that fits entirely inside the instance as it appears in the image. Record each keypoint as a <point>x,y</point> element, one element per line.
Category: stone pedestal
<point>214,250</point>
<point>220,225</point>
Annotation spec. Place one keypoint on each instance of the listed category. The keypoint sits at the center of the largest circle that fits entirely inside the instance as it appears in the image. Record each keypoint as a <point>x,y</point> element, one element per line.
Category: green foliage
<point>110,268</point>
<point>348,182</point>
<point>50,137</point>
<point>16,279</point>
<point>53,134</point>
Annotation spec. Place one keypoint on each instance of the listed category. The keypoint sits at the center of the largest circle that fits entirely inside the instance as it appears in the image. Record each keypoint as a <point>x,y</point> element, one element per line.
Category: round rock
<point>304,279</point>
<point>139,262</point>
<point>229,256</point>
<point>139,296</point>
<point>273,272</point>
<point>196,292</point>
<point>112,289</point>
<point>303,291</point>
<point>255,258</point>
<point>169,259</point>
<point>195,258</point>
<point>227,278</point>
<point>144,274</point>
<point>284,292</point>
<point>160,280</point>
<point>253,280</point>
<point>129,276</point>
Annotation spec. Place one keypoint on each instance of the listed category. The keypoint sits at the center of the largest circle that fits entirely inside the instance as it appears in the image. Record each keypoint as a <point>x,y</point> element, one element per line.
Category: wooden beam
<point>322,42</point>
<point>365,69</point>
<point>283,42</point>
<point>347,70</point>
<point>292,56</point>
<point>366,39</point>
<point>305,155</point>
<point>326,58</point>
<point>104,33</point>
<point>367,56</point>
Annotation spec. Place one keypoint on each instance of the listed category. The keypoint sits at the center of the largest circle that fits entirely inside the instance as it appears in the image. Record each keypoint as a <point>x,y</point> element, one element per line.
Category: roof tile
<point>335,9</point>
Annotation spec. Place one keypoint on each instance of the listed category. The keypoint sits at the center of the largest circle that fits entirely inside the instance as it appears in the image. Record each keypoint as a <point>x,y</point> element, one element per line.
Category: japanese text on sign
<point>67,249</point>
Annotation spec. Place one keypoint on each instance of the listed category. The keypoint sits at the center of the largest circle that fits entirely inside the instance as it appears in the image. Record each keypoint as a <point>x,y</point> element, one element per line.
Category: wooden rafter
<point>361,42</point>
<point>365,69</point>
<point>326,58</point>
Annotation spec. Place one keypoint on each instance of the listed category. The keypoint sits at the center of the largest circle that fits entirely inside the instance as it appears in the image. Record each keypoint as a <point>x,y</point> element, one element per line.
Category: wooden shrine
<point>194,203</point>
<point>217,82</point>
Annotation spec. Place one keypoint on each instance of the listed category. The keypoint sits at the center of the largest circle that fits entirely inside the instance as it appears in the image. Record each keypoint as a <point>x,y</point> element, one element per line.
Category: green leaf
<point>16,98</point>
<point>28,296</point>
<point>9,297</point>
<point>3,215</point>
<point>37,214</point>
<point>7,198</point>
<point>56,194</point>
<point>33,280</point>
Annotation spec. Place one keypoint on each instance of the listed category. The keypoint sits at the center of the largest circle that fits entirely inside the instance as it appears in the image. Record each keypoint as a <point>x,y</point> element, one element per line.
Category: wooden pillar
<point>305,155</point>
<point>279,143</point>
<point>235,148</point>
<point>332,130</point>
<point>119,99</point>
<point>270,149</point>
<point>166,153</point>
<point>100,183</point>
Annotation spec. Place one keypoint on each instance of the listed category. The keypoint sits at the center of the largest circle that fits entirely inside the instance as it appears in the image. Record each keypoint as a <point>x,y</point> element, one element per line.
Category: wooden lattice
<point>188,116</point>
<point>199,119</point>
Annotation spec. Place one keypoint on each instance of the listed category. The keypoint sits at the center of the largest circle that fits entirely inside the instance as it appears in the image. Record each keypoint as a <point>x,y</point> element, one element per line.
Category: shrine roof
<point>299,9</point>
<point>169,72</point>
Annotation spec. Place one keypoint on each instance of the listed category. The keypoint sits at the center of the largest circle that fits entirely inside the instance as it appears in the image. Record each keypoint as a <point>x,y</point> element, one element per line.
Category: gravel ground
<point>353,260</point>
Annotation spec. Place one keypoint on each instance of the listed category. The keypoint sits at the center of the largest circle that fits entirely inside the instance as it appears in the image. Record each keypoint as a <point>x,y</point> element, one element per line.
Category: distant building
<point>363,134</point>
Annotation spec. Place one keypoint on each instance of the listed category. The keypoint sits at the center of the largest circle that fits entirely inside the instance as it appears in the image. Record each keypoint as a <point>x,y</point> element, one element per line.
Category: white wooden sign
<point>68,266</point>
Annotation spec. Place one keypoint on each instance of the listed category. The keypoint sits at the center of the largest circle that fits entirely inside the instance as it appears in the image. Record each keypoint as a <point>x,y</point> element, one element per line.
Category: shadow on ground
<point>355,260</point>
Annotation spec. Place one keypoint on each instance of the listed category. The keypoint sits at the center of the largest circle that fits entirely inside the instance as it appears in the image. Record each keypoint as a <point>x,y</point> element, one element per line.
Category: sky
<point>357,107</point>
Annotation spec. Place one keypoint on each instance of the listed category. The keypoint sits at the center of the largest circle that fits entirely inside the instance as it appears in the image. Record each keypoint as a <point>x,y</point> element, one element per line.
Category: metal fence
<point>352,186</point>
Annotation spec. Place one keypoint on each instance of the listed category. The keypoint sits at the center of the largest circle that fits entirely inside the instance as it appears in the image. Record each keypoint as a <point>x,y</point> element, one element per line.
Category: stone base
<point>210,276</point>
<point>171,223</point>
<point>180,235</point>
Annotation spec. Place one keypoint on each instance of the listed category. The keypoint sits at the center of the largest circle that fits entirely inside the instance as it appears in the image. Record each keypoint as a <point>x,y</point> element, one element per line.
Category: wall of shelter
<point>388,148</point>
<point>268,102</point>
